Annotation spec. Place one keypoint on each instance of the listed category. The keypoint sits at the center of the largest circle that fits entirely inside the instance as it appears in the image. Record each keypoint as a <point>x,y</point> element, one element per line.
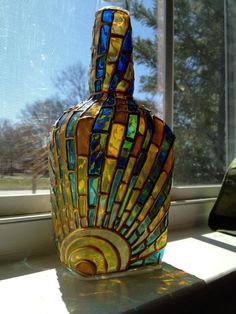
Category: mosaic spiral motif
<point>110,166</point>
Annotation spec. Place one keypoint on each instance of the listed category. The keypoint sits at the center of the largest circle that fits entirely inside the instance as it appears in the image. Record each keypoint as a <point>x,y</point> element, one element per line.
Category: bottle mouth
<point>113,8</point>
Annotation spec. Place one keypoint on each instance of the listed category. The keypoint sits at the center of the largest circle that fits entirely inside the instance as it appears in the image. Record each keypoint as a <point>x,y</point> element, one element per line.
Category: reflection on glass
<point>124,4</point>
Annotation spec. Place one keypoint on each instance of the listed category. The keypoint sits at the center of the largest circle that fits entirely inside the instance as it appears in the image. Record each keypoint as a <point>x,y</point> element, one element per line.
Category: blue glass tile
<point>114,81</point>
<point>168,132</point>
<point>114,188</point>
<point>100,66</point>
<point>71,127</point>
<point>97,96</point>
<point>135,211</point>
<point>107,16</point>
<point>97,153</point>
<point>131,89</point>
<point>103,40</point>
<point>98,86</point>
<point>127,44</point>
<point>72,177</point>
<point>137,263</point>
<point>103,120</point>
<point>93,191</point>
<point>131,185</point>
<point>139,249</point>
<point>110,101</point>
<point>132,239</point>
<point>123,61</point>
<point>62,119</point>
<point>140,162</point>
<point>152,259</point>
<point>157,205</point>
<point>153,236</point>
<point>145,192</point>
<point>70,150</point>
<point>125,151</point>
<point>92,216</point>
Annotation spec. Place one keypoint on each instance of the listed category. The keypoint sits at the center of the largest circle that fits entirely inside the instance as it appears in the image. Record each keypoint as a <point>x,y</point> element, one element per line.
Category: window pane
<point>44,60</point>
<point>199,92</point>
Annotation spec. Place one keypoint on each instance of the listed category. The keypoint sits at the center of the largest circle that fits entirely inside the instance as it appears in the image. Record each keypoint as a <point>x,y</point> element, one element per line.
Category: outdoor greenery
<point>199,97</point>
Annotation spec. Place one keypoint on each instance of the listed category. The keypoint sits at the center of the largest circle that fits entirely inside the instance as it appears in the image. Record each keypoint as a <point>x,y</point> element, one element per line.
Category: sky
<point>40,38</point>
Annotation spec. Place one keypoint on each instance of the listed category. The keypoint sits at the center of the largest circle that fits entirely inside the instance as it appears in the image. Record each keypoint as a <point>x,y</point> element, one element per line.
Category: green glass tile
<point>72,177</point>
<point>139,249</point>
<point>132,126</point>
<point>93,191</point>
<point>92,215</point>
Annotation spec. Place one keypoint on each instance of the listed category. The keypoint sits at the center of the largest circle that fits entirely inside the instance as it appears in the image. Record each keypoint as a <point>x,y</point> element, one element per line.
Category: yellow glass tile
<point>108,172</point>
<point>82,174</point>
<point>131,230</point>
<point>132,199</point>
<point>120,24</point>
<point>121,192</point>
<point>129,74</point>
<point>141,128</point>
<point>122,86</point>
<point>92,111</point>
<point>140,239</point>
<point>152,152</point>
<point>114,49</point>
<point>167,203</point>
<point>83,132</point>
<point>84,222</point>
<point>114,212</point>
<point>109,71</point>
<point>129,169</point>
<point>159,184</point>
<point>83,206</point>
<point>161,241</point>
<point>146,208</point>
<point>157,219</point>
<point>123,219</point>
<point>115,140</point>
<point>101,209</point>
<point>148,251</point>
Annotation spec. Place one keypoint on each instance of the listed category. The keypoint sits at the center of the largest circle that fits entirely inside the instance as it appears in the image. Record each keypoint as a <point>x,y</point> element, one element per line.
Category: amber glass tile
<point>109,72</point>
<point>151,156</point>
<point>158,131</point>
<point>83,135</point>
<point>129,74</point>
<point>141,125</point>
<point>161,241</point>
<point>92,111</point>
<point>115,140</point>
<point>159,184</point>
<point>121,117</point>
<point>129,169</point>
<point>137,145</point>
<point>82,174</point>
<point>108,173</point>
<point>120,24</point>
<point>114,49</point>
<point>133,199</point>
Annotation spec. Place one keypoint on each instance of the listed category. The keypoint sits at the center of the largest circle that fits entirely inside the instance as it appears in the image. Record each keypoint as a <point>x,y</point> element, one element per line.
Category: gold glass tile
<point>148,251</point>
<point>123,219</point>
<point>114,49</point>
<point>121,192</point>
<point>114,212</point>
<point>109,72</point>
<point>122,86</point>
<point>137,145</point>
<point>131,230</point>
<point>161,241</point>
<point>129,169</point>
<point>83,206</point>
<point>129,74</point>
<point>82,174</point>
<point>141,128</point>
<point>159,184</point>
<point>108,173</point>
<point>157,219</point>
<point>120,24</point>
<point>101,209</point>
<point>132,199</point>
<point>83,135</point>
<point>92,111</point>
<point>151,156</point>
<point>115,140</point>
<point>146,208</point>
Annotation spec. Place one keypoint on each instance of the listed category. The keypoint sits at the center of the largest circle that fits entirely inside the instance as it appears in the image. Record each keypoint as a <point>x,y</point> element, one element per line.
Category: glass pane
<point>44,60</point>
<point>200,104</point>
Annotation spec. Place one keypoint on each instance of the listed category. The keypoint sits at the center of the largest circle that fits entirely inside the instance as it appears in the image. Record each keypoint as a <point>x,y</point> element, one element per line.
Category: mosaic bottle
<point>111,165</point>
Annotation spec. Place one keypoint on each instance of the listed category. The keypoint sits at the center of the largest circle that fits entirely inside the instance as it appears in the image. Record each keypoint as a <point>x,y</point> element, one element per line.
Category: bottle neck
<point>111,69</point>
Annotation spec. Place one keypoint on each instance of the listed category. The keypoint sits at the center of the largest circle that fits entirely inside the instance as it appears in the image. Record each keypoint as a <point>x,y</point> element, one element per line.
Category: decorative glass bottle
<point>111,165</point>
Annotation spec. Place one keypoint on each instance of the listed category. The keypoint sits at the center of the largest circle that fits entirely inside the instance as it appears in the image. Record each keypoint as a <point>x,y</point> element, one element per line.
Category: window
<point>45,60</point>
